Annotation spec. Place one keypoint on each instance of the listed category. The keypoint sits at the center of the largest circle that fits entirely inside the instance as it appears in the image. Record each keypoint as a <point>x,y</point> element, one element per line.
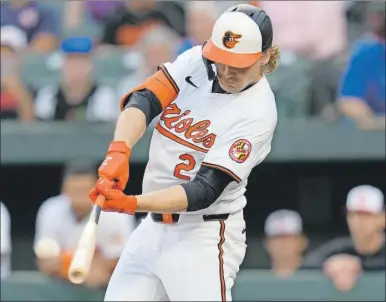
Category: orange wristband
<point>65,262</point>
<point>120,147</point>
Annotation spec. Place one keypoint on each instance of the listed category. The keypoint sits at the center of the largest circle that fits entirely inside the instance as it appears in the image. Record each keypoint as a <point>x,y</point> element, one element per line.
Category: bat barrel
<point>81,262</point>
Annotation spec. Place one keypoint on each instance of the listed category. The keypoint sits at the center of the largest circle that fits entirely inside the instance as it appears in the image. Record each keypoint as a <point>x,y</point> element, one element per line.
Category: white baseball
<point>47,248</point>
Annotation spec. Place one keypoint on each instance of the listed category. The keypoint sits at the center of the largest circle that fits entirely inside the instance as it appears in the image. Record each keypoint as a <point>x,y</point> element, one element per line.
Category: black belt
<point>173,218</point>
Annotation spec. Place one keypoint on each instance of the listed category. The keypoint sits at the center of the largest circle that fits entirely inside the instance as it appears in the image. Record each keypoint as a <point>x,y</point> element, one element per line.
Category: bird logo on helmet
<point>230,39</point>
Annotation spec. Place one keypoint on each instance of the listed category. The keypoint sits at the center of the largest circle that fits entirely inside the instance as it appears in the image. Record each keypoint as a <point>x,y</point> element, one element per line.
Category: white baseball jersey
<point>231,132</point>
<point>6,247</point>
<point>56,220</point>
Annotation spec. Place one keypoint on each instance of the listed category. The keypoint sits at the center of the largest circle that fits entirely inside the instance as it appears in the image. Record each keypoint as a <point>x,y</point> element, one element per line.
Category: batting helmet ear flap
<point>208,67</point>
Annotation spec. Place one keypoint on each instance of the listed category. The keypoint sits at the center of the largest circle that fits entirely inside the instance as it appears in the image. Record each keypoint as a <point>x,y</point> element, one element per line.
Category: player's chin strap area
<point>208,66</point>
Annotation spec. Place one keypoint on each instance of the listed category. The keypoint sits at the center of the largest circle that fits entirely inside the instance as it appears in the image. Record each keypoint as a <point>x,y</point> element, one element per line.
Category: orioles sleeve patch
<point>240,150</point>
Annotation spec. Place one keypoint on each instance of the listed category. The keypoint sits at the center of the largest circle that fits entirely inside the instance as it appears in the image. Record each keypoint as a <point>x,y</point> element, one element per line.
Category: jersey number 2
<point>188,165</point>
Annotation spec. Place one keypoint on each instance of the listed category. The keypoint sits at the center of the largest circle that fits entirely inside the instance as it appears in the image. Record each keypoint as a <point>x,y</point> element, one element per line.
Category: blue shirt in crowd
<point>364,77</point>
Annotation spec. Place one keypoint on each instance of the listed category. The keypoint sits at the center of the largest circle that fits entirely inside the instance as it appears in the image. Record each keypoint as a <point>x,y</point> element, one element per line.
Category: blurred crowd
<point>342,260</point>
<point>73,60</point>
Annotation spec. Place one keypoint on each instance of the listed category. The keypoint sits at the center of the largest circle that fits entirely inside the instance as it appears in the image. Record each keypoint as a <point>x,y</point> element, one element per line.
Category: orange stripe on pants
<point>221,261</point>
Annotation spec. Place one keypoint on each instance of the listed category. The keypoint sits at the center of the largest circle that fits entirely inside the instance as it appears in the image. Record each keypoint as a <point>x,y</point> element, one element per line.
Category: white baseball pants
<point>192,260</point>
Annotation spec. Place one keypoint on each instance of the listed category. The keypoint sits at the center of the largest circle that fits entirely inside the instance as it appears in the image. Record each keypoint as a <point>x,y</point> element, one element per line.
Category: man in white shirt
<point>6,247</point>
<point>60,223</point>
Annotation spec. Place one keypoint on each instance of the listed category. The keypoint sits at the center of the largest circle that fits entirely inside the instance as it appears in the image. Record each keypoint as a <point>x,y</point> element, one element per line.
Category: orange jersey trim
<point>161,84</point>
<point>223,169</point>
<point>167,74</point>
<point>175,138</point>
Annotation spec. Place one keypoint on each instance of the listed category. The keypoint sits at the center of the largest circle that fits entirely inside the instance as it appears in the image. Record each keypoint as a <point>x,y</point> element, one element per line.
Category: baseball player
<point>59,225</point>
<point>217,118</point>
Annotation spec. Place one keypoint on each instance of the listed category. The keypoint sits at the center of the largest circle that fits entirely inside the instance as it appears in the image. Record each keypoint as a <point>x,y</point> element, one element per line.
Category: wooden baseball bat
<point>81,262</point>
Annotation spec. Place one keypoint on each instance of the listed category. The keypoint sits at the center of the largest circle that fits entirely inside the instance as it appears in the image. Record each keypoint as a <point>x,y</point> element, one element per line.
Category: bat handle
<point>100,201</point>
<point>97,209</point>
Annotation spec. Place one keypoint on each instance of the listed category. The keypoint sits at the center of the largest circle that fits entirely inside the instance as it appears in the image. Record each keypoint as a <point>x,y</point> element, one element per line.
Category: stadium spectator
<point>300,26</point>
<point>6,246</point>
<point>285,241</point>
<point>200,18</point>
<point>60,222</point>
<point>78,97</point>
<point>16,101</point>
<point>362,91</point>
<point>40,23</point>
<point>156,46</point>
<point>125,25</point>
<point>343,259</point>
<point>76,11</point>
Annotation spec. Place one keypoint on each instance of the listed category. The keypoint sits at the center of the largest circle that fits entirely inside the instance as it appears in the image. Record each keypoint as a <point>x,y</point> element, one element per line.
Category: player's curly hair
<point>274,60</point>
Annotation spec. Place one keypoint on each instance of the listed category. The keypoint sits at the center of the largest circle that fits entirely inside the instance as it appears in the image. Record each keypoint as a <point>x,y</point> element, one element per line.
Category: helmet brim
<point>239,60</point>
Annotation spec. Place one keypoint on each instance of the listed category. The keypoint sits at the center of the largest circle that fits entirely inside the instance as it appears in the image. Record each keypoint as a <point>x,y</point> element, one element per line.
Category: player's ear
<point>265,57</point>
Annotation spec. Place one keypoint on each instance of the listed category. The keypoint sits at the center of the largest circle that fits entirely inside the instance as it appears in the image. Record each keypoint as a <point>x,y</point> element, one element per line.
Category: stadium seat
<point>111,67</point>
<point>37,70</point>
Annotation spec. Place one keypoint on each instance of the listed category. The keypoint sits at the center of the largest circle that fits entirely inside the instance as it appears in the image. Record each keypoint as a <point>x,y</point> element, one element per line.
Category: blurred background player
<point>344,259</point>
<point>6,245</point>
<point>285,241</point>
<point>61,220</point>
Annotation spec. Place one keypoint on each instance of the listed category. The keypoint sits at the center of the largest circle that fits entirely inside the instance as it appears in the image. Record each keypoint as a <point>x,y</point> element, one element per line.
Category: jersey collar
<point>216,88</point>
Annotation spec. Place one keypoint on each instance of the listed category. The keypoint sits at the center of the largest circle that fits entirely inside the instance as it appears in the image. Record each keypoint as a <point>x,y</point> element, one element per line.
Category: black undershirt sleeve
<point>146,101</point>
<point>206,187</point>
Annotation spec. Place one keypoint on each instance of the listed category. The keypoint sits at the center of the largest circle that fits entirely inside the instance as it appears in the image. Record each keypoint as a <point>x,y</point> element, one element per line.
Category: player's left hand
<point>116,200</point>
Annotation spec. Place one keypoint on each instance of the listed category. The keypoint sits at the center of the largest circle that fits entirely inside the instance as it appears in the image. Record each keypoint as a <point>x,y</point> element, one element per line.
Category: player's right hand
<point>116,200</point>
<point>115,167</point>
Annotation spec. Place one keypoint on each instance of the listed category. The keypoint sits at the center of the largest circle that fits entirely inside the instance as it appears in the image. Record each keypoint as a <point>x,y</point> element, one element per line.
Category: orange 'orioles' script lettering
<point>179,121</point>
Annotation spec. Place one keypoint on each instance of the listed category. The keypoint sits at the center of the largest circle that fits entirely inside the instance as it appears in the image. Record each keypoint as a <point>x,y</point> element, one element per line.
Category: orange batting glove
<point>115,167</point>
<point>116,200</point>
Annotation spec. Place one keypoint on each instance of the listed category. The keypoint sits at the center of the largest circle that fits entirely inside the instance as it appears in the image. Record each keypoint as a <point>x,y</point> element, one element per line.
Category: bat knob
<point>77,276</point>
<point>80,266</point>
